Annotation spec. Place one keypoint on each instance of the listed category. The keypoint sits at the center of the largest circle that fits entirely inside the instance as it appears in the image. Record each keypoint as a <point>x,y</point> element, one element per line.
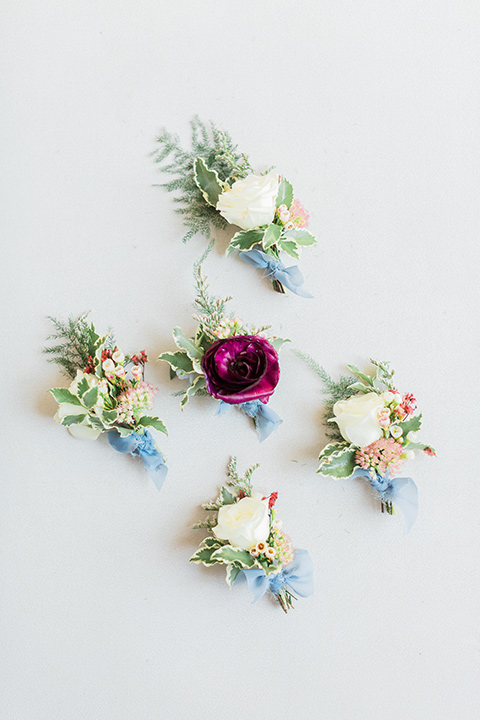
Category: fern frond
<point>219,153</point>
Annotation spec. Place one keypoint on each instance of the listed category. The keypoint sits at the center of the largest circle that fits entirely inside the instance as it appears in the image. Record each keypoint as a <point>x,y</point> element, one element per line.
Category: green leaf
<point>228,554</point>
<point>205,552</point>
<point>109,416</point>
<point>62,395</point>
<point>73,419</point>
<point>285,193</point>
<point>301,237</point>
<point>290,247</point>
<point>82,387</point>
<point>232,572</point>
<point>418,446</point>
<point>367,379</point>
<point>178,361</point>
<point>359,387</point>
<point>337,460</point>
<point>124,432</point>
<point>90,398</point>
<point>278,342</point>
<point>245,240</point>
<point>271,235</point>
<point>155,422</point>
<point>199,384</point>
<point>411,425</point>
<point>208,182</point>
<point>184,343</point>
<point>227,497</point>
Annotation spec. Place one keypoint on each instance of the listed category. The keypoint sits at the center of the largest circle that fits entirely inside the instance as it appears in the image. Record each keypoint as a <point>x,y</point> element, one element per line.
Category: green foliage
<point>228,554</point>
<point>219,155</point>
<point>334,391</point>
<point>413,424</point>
<point>271,235</point>
<point>76,340</point>
<point>285,193</point>
<point>337,460</point>
<point>232,572</point>
<point>208,181</point>
<point>245,240</point>
<point>62,395</point>
<point>155,422</point>
<point>301,237</point>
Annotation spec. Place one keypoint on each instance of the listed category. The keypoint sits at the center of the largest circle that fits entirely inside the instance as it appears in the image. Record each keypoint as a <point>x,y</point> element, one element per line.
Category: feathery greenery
<point>219,153</point>
<point>76,342</point>
<point>334,390</point>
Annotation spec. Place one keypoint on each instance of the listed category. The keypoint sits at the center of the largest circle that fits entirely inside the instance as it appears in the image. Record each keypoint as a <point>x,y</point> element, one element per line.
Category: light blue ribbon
<point>142,446</point>
<point>266,420</point>
<point>298,575</point>
<point>291,277</point>
<point>402,492</point>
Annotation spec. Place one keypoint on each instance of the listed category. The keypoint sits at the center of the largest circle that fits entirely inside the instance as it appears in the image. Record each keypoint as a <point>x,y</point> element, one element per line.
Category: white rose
<point>357,418</point>
<point>243,524</point>
<point>250,203</point>
<point>82,431</point>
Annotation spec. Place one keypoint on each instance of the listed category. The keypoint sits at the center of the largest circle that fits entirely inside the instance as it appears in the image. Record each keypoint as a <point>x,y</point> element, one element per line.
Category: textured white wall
<point>371,109</point>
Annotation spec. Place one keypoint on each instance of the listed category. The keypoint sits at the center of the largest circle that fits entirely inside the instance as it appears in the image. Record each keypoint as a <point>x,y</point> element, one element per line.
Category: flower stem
<point>278,287</point>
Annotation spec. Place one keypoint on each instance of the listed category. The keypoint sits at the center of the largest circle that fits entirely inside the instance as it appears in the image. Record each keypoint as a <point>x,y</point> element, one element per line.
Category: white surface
<point>371,109</point>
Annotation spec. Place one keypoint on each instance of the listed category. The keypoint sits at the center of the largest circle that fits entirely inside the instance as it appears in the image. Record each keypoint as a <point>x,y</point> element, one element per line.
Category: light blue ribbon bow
<point>266,420</point>
<point>142,446</point>
<point>291,277</point>
<point>402,492</point>
<point>298,575</point>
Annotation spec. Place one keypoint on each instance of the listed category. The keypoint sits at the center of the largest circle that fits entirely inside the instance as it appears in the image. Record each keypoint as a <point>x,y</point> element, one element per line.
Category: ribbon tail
<point>292,278</point>
<point>142,446</point>
<point>222,408</point>
<point>256,580</point>
<point>404,495</point>
<point>266,421</point>
<point>299,574</point>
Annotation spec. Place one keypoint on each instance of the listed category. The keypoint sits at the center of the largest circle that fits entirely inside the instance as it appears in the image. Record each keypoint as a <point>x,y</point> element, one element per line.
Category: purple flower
<point>241,368</point>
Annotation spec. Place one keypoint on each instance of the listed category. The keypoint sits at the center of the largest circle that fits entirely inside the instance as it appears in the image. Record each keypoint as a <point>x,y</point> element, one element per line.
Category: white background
<point>371,109</point>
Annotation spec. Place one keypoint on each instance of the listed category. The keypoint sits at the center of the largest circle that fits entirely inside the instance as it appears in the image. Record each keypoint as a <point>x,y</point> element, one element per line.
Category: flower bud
<point>108,365</point>
<point>118,356</point>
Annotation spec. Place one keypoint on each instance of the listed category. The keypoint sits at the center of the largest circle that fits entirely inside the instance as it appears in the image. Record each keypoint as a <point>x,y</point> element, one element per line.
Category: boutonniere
<point>373,430</point>
<point>246,535</point>
<point>218,187</point>
<point>107,393</point>
<point>233,362</point>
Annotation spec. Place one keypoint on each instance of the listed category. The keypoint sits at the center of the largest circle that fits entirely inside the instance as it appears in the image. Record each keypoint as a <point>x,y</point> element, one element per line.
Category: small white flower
<point>136,372</point>
<point>118,356</point>
<point>398,398</point>
<point>103,387</point>
<point>270,553</point>
<point>108,365</point>
<point>396,431</point>
<point>289,225</point>
<point>277,524</point>
<point>388,396</point>
<point>282,208</point>
<point>410,454</point>
<point>284,216</point>
<point>119,371</point>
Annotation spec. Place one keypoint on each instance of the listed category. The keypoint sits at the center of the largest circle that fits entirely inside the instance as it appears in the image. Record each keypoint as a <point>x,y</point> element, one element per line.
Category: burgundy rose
<point>241,368</point>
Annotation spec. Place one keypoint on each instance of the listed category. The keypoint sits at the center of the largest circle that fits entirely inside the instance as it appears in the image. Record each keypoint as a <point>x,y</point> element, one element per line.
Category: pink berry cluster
<point>383,455</point>
<point>134,402</point>
<point>228,327</point>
